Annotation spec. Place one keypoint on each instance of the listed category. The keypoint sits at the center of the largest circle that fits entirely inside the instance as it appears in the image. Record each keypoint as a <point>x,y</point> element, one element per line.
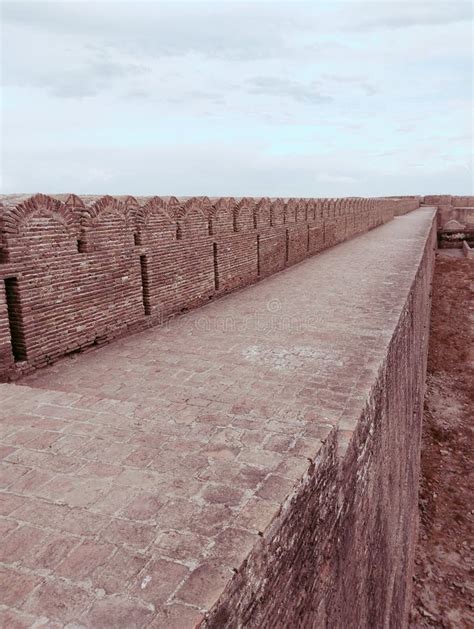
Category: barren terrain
<point>443,585</point>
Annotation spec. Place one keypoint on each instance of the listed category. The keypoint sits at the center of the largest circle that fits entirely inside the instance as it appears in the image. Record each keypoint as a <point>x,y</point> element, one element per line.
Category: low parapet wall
<point>404,204</point>
<point>78,272</point>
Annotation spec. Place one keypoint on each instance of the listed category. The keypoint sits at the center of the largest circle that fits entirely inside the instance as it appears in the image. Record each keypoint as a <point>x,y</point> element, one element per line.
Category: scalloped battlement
<point>86,269</point>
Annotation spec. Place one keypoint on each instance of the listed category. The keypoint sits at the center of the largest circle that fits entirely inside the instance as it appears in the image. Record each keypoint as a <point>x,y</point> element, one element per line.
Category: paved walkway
<point>136,477</point>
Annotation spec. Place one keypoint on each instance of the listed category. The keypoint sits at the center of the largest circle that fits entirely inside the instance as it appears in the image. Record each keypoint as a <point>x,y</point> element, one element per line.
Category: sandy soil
<point>443,582</point>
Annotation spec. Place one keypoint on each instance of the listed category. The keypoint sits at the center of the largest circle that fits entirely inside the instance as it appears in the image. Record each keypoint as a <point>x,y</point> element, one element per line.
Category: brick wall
<point>446,199</point>
<point>77,272</point>
<point>341,551</point>
<point>6,356</point>
<point>455,219</point>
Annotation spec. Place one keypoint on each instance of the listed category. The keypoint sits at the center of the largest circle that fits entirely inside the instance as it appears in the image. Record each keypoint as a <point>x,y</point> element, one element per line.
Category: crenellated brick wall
<point>447,199</point>
<point>79,271</point>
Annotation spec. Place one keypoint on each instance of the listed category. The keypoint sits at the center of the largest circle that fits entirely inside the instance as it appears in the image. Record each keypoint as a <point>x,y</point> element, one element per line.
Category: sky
<point>279,99</point>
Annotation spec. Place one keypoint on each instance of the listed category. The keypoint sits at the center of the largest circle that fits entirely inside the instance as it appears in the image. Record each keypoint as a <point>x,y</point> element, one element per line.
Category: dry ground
<point>443,587</point>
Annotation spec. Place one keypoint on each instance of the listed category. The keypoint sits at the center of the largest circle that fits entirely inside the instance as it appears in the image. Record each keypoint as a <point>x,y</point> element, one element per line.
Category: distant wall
<point>455,220</point>
<point>402,205</point>
<point>77,272</point>
<point>462,215</point>
<point>447,199</point>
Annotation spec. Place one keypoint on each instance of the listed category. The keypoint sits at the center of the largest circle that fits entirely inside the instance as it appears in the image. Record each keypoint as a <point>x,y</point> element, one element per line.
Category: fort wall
<point>340,553</point>
<point>77,272</point>
<point>267,473</point>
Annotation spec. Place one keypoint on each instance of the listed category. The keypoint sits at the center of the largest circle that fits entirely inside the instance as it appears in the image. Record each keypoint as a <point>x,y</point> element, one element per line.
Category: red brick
<point>143,507</point>
<point>84,559</point>
<point>15,586</point>
<point>9,503</point>
<point>232,546</point>
<point>10,473</point>
<point>136,534</point>
<point>120,570</point>
<point>20,542</point>
<point>175,514</point>
<point>73,491</point>
<point>30,482</point>
<point>256,514</point>
<point>140,457</point>
<point>209,520</point>
<point>222,494</point>
<point>113,612</point>
<point>23,436</point>
<point>204,586</point>
<point>176,617</point>
<point>100,470</point>
<point>158,580</point>
<point>59,601</point>
<point>61,517</point>
<point>5,451</point>
<point>275,488</point>
<point>44,441</point>
<point>6,526</point>
<point>51,551</point>
<point>113,501</point>
<point>181,545</point>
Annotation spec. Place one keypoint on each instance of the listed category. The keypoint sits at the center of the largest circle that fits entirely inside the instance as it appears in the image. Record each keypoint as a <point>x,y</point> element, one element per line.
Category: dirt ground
<point>443,582</point>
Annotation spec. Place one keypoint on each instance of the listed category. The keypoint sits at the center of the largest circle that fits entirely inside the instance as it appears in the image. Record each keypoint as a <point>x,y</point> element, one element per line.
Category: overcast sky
<point>228,98</point>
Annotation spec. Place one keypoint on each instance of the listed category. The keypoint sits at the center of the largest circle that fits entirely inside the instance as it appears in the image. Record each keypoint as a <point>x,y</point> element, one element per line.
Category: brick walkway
<point>136,477</point>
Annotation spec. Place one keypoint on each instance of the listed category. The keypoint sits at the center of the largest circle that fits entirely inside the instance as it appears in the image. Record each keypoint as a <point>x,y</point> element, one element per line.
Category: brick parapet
<point>88,269</point>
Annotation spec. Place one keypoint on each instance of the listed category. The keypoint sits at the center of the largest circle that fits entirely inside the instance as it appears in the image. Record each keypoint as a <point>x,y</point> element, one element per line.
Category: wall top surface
<point>204,426</point>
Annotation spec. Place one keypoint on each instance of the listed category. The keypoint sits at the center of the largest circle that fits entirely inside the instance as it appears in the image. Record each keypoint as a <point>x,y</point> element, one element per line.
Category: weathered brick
<point>84,559</point>
<point>20,542</point>
<point>115,611</point>
<point>15,587</point>
<point>58,600</point>
<point>158,580</point>
<point>205,584</point>
<point>176,617</point>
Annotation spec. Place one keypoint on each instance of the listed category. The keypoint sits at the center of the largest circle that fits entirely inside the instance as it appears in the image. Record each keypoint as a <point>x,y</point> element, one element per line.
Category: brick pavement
<point>136,478</point>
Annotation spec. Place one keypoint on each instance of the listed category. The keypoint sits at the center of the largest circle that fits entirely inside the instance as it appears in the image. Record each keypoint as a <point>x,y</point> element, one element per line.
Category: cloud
<point>88,79</point>
<point>221,30</point>
<point>352,81</point>
<point>277,98</point>
<point>403,14</point>
<point>63,69</point>
<point>287,88</point>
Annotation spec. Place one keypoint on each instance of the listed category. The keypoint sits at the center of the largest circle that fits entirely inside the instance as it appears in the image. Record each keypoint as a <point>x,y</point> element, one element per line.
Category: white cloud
<point>278,98</point>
